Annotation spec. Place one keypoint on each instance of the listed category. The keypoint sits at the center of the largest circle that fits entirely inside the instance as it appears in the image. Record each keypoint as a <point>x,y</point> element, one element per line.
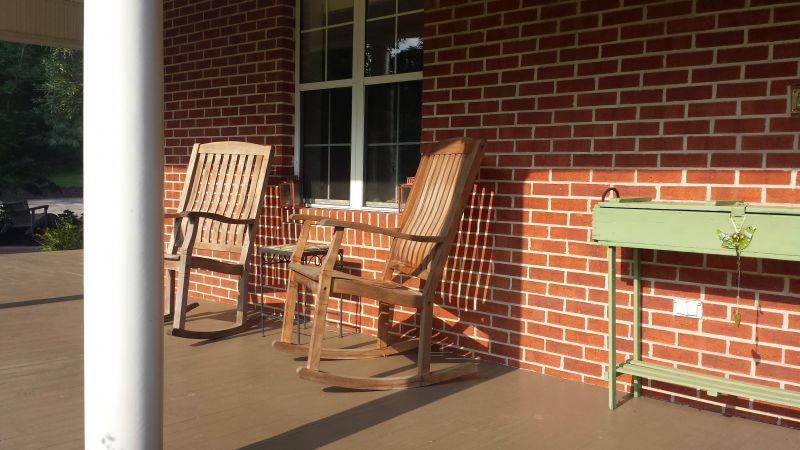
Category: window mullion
<point>396,32</point>
<point>296,121</point>
<point>393,78</point>
<point>357,117</point>
<point>325,46</point>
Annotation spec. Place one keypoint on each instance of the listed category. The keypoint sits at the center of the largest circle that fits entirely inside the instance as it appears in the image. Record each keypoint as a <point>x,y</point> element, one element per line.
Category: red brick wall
<point>675,100</point>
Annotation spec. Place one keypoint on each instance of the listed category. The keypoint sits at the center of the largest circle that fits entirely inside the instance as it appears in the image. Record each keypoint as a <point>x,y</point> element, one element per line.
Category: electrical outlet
<point>794,100</point>
<point>687,308</point>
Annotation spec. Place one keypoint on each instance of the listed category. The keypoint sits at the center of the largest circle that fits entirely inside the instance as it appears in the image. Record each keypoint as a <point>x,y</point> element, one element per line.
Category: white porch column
<point>123,182</point>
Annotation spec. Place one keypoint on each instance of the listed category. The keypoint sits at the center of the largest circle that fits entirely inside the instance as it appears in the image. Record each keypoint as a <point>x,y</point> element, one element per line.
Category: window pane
<point>379,48</point>
<point>315,117</point>
<point>325,120</point>
<point>340,52</point>
<point>410,111</point>
<point>340,107</point>
<point>409,5</point>
<point>380,8</point>
<point>392,154</point>
<point>380,113</point>
<point>339,11</point>
<point>315,172</point>
<point>313,14</point>
<point>340,173</point>
<point>380,179</point>
<point>409,43</point>
<point>312,61</point>
<point>408,160</point>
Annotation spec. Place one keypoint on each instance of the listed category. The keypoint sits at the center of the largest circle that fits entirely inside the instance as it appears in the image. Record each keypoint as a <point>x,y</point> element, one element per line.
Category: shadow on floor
<point>41,301</point>
<point>354,420</point>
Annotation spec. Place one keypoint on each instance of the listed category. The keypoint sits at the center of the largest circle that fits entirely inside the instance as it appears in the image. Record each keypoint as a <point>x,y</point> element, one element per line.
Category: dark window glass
<point>392,139</point>
<point>315,117</point>
<point>339,173</point>
<point>408,51</point>
<point>340,106</point>
<point>380,114</point>
<point>408,157</point>
<point>312,61</point>
<point>339,11</point>
<point>315,170</point>
<point>325,161</point>
<point>409,5</point>
<point>410,111</point>
<point>340,52</point>
<point>379,47</point>
<point>380,8</point>
<point>380,167</point>
<point>313,14</point>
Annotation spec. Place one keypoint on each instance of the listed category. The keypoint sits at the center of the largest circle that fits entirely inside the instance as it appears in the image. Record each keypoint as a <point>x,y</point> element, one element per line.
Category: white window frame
<point>358,84</point>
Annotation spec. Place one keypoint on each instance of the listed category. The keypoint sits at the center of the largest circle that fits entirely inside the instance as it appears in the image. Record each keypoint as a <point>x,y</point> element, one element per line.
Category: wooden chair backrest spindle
<point>436,202</point>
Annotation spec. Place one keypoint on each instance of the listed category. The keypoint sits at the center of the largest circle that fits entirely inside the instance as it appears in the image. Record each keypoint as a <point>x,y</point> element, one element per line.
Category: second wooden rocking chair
<point>218,212</point>
<point>419,248</point>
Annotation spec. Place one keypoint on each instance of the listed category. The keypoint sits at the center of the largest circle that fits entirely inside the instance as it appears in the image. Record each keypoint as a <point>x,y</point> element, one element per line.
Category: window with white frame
<point>359,85</point>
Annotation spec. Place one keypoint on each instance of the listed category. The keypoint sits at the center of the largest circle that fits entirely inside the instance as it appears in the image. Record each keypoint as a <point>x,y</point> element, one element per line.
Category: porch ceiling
<point>55,23</point>
<point>240,393</point>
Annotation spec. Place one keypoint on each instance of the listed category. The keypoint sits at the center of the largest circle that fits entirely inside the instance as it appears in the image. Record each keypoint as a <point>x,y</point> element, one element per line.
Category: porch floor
<point>240,393</point>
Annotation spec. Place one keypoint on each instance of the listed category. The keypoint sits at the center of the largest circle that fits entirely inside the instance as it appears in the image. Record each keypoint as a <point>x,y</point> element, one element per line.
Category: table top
<point>288,249</point>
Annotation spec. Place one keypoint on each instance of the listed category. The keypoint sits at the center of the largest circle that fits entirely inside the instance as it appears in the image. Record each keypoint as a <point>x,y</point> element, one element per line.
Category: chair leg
<point>318,328</point>
<point>179,320</point>
<point>169,286</point>
<point>424,351</point>
<point>241,305</point>
<point>384,321</point>
<point>289,308</point>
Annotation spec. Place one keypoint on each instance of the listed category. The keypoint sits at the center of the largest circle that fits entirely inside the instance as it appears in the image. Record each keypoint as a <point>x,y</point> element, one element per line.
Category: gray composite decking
<point>239,393</point>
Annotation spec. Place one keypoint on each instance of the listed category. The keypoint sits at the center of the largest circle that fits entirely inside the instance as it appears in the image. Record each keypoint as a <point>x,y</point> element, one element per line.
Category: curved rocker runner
<point>218,212</point>
<point>419,249</point>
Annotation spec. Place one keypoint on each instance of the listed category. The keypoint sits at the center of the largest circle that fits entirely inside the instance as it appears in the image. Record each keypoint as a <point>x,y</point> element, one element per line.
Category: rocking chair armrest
<point>305,218</point>
<point>33,209</point>
<point>392,232</point>
<point>213,216</point>
<point>171,216</point>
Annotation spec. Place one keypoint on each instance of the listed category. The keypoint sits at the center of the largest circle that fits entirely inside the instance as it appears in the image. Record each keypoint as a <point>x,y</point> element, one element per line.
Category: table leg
<point>340,263</point>
<point>261,289</point>
<point>637,318</point>
<point>612,334</point>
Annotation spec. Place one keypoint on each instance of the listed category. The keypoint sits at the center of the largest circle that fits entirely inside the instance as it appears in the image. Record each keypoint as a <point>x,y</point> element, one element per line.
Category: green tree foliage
<point>61,100</point>
<point>22,129</point>
<point>40,114</point>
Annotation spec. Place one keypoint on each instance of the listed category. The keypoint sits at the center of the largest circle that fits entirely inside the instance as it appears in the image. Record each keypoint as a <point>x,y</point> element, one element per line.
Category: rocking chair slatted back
<point>435,205</point>
<point>225,178</point>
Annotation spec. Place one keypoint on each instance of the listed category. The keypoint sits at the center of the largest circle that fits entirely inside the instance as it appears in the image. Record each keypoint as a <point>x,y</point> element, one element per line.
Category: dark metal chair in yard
<point>21,216</point>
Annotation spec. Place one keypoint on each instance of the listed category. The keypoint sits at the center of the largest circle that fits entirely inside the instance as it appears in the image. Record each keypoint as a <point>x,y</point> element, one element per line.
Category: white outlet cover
<point>687,308</point>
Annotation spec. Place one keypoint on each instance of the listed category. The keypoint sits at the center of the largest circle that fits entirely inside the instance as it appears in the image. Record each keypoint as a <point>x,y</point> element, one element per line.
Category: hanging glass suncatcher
<point>738,240</point>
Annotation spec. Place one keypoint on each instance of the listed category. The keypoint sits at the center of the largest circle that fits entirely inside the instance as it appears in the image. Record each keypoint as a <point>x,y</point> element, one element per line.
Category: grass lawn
<point>67,179</point>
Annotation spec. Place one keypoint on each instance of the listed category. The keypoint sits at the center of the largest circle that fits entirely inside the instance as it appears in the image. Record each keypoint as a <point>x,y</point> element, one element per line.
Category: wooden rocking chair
<point>419,248</point>
<point>218,209</point>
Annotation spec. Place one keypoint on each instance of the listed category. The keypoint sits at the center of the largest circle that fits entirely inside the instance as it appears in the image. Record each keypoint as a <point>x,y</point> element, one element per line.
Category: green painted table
<point>639,223</point>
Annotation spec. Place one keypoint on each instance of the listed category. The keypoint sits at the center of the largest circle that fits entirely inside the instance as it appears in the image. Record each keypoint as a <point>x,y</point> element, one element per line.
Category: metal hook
<point>607,191</point>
